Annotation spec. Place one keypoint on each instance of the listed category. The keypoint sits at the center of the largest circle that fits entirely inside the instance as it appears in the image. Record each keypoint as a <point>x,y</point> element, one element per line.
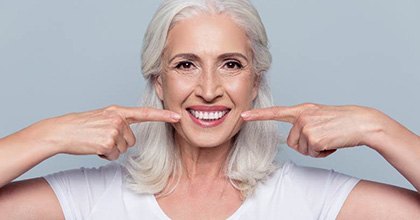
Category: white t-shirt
<point>292,192</point>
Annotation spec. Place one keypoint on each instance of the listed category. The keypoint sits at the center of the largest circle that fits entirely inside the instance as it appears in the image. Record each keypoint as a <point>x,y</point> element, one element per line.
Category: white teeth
<point>208,115</point>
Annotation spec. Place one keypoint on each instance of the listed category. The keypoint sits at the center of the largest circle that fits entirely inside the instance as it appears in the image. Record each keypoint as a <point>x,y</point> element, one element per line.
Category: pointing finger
<point>139,114</point>
<point>279,113</point>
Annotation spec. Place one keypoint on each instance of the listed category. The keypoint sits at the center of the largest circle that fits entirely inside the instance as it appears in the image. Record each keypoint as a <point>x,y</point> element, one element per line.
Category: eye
<point>233,65</point>
<point>184,65</point>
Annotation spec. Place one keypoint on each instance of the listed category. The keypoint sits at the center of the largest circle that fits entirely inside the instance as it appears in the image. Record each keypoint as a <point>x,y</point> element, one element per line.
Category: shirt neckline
<point>162,215</point>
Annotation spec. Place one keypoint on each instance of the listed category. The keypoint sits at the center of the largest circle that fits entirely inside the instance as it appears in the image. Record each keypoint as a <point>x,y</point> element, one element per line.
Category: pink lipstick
<point>208,116</point>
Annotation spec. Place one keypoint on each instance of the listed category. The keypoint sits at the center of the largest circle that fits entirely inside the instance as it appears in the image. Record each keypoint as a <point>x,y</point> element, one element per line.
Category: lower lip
<point>208,124</point>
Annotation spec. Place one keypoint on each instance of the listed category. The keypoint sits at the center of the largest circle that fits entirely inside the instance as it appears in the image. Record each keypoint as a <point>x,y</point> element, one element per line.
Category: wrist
<point>387,133</point>
<point>376,132</point>
<point>36,138</point>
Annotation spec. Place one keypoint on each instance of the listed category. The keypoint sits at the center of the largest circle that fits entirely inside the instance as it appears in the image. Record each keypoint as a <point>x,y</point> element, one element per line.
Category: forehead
<point>207,35</point>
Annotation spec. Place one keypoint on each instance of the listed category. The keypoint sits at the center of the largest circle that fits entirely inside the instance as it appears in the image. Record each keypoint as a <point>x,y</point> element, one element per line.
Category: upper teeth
<point>208,115</point>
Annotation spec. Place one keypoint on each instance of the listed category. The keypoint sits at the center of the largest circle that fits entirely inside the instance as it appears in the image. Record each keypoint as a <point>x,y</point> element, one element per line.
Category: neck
<point>199,162</point>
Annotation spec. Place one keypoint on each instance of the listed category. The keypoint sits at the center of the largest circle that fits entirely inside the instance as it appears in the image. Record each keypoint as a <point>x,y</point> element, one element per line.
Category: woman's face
<point>207,78</point>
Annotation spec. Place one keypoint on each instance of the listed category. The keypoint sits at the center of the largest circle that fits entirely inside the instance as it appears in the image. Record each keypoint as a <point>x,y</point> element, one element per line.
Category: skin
<point>320,130</point>
<point>204,192</point>
<point>216,71</point>
<point>103,132</point>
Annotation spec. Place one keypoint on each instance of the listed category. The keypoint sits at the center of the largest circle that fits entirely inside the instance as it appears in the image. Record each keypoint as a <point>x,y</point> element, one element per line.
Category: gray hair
<point>156,158</point>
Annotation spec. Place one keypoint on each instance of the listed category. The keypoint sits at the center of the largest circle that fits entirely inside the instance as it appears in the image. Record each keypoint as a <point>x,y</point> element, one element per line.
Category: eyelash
<point>182,65</point>
<point>237,65</point>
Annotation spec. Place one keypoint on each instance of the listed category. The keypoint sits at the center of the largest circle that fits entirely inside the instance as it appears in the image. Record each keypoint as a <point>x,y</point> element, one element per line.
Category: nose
<point>209,87</point>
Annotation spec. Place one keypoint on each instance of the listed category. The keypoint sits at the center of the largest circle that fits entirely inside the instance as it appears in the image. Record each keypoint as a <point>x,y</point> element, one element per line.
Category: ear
<point>158,86</point>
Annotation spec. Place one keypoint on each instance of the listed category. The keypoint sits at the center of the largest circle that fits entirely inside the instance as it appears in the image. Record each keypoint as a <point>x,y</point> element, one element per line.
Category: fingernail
<point>245,114</point>
<point>175,116</point>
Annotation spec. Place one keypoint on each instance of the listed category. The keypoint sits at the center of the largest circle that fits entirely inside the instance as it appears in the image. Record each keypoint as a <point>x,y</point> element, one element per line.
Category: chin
<point>205,138</point>
<point>210,143</point>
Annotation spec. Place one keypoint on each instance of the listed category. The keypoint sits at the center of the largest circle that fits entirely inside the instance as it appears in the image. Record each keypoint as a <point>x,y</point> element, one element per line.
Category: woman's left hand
<point>318,130</point>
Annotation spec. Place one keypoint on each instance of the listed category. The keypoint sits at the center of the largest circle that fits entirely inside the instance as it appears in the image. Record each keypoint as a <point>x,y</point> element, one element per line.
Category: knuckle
<point>146,112</point>
<point>293,144</point>
<point>117,121</point>
<point>114,156</point>
<point>273,111</point>
<point>131,142</point>
<point>109,144</point>
<point>301,120</point>
<point>311,140</point>
<point>114,133</point>
<point>307,131</point>
<point>309,105</point>
<point>112,108</point>
<point>303,150</point>
<point>314,142</point>
<point>313,153</point>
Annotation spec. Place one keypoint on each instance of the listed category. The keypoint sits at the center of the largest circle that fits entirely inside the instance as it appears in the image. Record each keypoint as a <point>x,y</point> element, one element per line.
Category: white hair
<point>156,158</point>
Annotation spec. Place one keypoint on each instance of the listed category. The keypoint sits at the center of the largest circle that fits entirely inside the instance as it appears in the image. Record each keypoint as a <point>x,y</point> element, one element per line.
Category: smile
<point>208,116</point>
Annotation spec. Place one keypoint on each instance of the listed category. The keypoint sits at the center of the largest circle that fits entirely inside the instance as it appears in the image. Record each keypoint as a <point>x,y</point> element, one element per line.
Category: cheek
<point>176,91</point>
<point>241,91</point>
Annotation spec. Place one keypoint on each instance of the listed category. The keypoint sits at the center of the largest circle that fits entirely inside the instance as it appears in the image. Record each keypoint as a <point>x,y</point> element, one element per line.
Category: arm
<point>21,151</point>
<point>320,130</point>
<point>31,198</point>
<point>401,148</point>
<point>104,132</point>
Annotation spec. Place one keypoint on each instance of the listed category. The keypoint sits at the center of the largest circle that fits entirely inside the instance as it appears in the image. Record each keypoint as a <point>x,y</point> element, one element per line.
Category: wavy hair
<point>155,157</point>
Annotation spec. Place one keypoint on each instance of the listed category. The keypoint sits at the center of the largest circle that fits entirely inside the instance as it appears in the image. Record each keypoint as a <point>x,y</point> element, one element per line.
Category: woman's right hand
<point>105,132</point>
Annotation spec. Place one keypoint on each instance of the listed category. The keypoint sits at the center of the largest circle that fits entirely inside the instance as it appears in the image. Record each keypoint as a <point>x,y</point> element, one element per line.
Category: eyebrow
<point>187,56</point>
<point>191,56</point>
<point>227,55</point>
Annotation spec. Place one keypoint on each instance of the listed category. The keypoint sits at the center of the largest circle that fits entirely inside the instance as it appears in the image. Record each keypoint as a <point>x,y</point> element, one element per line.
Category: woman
<point>210,155</point>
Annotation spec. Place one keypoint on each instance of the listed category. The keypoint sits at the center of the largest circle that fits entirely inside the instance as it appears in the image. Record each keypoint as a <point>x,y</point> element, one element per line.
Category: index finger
<point>278,113</point>
<point>140,114</point>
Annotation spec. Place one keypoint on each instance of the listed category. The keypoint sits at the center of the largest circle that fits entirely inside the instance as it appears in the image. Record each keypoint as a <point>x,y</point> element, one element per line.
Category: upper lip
<point>207,108</point>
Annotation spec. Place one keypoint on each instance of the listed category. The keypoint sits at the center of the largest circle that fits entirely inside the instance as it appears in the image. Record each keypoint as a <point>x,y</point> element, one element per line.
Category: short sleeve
<point>325,191</point>
<point>79,190</point>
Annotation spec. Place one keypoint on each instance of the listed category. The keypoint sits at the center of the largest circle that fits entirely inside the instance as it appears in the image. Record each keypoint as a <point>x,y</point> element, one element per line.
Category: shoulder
<point>101,176</point>
<point>316,183</point>
<point>305,191</point>
<point>80,190</point>
<point>296,175</point>
<point>84,182</point>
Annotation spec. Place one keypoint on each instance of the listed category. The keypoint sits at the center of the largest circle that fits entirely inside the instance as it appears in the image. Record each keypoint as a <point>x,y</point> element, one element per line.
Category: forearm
<point>20,152</point>
<point>401,148</point>
<point>98,132</point>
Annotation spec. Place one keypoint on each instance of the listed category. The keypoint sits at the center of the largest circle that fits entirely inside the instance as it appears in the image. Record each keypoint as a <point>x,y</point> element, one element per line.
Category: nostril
<point>210,95</point>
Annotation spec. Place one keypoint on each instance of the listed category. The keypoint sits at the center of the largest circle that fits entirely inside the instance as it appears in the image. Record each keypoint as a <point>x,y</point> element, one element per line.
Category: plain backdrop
<point>58,57</point>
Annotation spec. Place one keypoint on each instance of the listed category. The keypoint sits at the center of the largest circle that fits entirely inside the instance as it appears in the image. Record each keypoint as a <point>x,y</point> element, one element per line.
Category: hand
<point>318,130</point>
<point>105,132</point>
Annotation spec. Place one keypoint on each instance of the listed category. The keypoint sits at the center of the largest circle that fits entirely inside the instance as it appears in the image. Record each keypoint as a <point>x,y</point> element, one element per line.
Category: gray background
<point>58,57</point>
